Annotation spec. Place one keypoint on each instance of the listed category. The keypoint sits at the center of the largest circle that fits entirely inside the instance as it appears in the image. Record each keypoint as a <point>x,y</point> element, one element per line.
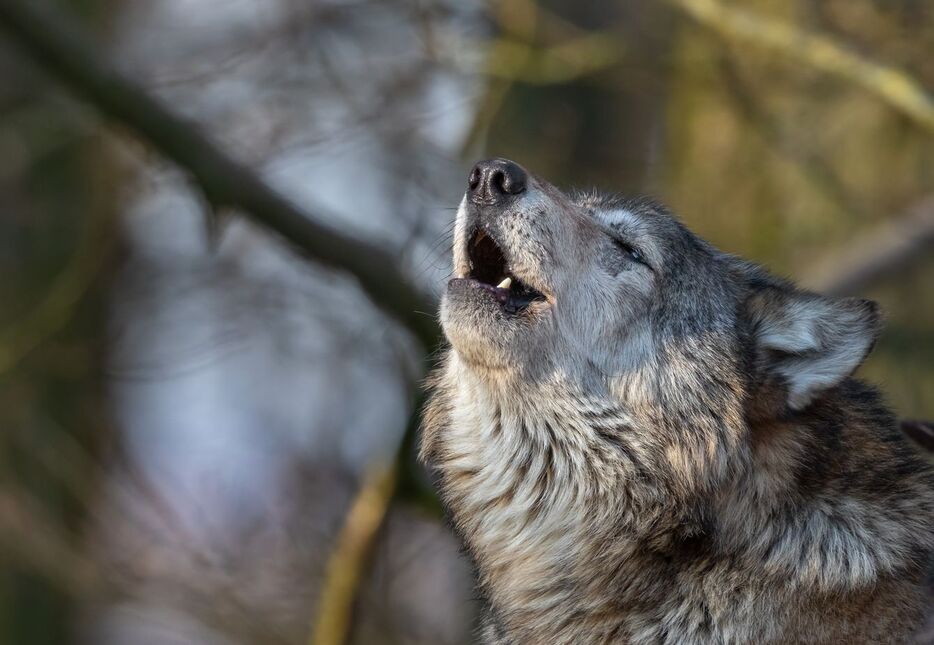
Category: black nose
<point>495,180</point>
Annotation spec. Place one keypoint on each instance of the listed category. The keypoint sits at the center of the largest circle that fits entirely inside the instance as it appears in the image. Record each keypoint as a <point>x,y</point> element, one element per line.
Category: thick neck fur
<point>532,492</point>
<point>591,520</point>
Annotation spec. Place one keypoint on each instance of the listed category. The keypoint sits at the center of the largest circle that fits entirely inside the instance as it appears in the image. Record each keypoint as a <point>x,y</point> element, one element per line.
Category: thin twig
<point>519,61</point>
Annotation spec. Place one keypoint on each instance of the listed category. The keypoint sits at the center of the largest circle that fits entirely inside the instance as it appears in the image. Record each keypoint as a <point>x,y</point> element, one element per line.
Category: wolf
<point>642,439</point>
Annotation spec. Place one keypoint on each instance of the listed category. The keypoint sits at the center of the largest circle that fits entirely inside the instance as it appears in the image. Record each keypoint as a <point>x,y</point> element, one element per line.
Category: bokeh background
<point>206,436</point>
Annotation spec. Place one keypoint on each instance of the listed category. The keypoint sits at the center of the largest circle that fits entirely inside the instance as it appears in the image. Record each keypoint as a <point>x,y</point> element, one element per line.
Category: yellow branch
<point>346,565</point>
<point>516,61</point>
<point>892,85</point>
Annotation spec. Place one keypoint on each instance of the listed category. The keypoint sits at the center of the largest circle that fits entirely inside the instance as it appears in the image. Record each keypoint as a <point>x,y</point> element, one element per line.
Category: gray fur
<point>669,452</point>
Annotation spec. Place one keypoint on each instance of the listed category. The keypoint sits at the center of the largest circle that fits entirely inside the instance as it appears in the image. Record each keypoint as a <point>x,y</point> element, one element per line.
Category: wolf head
<point>626,411</point>
<point>616,295</point>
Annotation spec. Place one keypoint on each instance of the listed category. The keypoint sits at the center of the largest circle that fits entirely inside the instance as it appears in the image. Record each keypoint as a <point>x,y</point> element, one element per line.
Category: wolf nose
<point>495,180</point>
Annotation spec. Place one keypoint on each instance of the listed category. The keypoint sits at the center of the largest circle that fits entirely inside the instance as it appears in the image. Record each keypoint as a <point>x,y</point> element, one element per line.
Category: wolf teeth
<point>505,284</point>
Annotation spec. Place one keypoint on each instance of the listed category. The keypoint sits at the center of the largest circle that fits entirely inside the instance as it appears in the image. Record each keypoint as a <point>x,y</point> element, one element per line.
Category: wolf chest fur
<point>641,439</point>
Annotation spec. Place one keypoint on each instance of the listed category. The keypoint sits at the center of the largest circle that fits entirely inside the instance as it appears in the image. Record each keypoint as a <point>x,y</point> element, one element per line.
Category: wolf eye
<point>631,252</point>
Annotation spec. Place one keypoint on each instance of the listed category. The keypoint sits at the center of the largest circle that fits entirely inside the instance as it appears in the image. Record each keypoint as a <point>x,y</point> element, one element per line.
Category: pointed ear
<point>809,341</point>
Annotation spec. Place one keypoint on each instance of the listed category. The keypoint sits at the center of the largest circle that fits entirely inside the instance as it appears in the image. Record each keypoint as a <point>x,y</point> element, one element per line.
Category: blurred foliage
<point>56,202</point>
<point>763,155</point>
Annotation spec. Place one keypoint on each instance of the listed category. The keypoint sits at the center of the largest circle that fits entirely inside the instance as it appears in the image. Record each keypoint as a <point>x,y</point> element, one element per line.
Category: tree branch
<point>881,252</point>
<point>345,566</point>
<point>68,55</point>
<point>892,85</point>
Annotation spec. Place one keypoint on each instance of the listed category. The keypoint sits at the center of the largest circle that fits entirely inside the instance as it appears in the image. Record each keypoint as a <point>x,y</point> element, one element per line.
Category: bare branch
<point>519,61</point>
<point>878,253</point>
<point>892,85</point>
<point>69,56</point>
<point>346,565</point>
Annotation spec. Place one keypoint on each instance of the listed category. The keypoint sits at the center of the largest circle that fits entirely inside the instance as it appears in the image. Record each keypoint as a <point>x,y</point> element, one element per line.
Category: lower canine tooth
<point>505,284</point>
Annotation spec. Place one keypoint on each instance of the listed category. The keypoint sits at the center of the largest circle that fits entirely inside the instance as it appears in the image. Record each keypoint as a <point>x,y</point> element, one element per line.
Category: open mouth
<point>489,269</point>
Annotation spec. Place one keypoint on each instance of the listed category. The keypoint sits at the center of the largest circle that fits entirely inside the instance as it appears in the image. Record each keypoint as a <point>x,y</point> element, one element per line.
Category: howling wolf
<point>642,439</point>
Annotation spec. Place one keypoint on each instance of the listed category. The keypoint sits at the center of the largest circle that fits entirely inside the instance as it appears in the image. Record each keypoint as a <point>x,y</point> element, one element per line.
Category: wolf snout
<point>495,181</point>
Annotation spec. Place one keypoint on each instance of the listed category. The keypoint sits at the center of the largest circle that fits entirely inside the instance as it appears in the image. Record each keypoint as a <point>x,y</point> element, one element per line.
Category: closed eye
<point>631,252</point>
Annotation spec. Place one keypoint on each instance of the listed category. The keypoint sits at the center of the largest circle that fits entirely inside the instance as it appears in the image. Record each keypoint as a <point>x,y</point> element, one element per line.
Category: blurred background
<point>206,434</point>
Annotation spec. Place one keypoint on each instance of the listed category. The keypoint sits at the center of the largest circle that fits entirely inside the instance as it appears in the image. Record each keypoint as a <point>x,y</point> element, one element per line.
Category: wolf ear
<point>809,341</point>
